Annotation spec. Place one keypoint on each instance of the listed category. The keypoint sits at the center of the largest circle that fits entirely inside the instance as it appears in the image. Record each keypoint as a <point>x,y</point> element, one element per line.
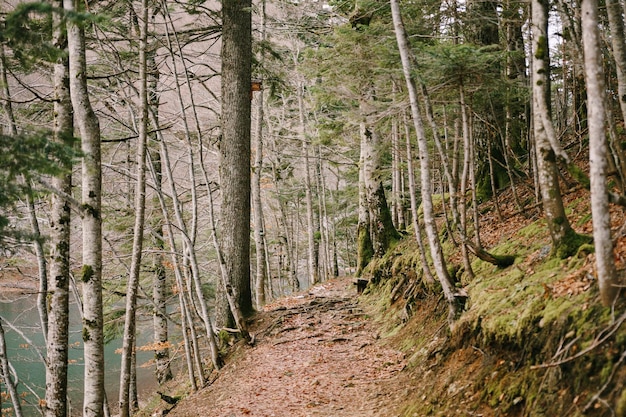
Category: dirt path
<point>316,354</point>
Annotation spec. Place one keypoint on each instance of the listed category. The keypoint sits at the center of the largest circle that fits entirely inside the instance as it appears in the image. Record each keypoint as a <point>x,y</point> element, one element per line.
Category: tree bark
<point>235,150</point>
<point>455,299</point>
<point>548,150</point>
<point>58,301</point>
<point>5,368</point>
<point>257,202</point>
<point>91,274</point>
<point>128,341</point>
<point>381,228</point>
<point>313,261</point>
<point>596,110</point>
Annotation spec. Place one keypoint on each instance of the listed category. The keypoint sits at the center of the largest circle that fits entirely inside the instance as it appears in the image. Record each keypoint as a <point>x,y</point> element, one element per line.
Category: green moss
<point>86,273</point>
<point>570,243</point>
<point>86,334</point>
<point>579,175</point>
<point>541,52</point>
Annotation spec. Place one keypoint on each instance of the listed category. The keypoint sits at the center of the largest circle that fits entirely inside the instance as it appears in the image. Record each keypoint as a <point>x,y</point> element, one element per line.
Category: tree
<point>455,298</point>
<point>91,274</point>
<point>128,341</point>
<point>549,151</point>
<point>596,110</point>
<point>58,303</point>
<point>235,153</point>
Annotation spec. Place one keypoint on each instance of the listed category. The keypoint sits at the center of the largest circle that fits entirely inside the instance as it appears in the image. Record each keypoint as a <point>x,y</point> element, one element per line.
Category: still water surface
<point>21,312</point>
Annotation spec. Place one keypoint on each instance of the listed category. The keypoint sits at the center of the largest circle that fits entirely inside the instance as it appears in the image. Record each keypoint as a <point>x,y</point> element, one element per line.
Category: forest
<point>170,170</point>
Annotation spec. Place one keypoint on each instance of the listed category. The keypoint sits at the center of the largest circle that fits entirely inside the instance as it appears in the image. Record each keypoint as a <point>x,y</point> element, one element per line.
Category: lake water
<point>21,311</point>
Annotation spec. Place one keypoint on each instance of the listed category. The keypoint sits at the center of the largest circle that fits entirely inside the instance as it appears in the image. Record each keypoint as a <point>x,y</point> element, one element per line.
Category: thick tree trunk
<point>58,302</point>
<point>596,105</point>
<point>364,247</point>
<point>91,275</point>
<point>382,230</point>
<point>235,150</point>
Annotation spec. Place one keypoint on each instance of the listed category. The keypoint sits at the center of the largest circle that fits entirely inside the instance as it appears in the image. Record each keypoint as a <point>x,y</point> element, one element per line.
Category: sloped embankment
<point>534,340</point>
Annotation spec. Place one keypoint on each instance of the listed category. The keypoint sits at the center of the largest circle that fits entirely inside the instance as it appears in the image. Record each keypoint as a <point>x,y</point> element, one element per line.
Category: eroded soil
<point>316,354</point>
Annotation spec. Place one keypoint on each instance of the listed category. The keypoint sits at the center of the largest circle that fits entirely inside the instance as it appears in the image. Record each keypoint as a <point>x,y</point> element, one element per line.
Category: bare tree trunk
<point>464,178</point>
<point>310,215</point>
<point>235,151</point>
<point>60,216</point>
<point>162,360</point>
<point>6,375</point>
<point>91,276</point>
<point>417,229</point>
<point>454,298</point>
<point>128,341</point>
<point>596,110</point>
<point>185,316</point>
<point>257,203</point>
<point>548,150</point>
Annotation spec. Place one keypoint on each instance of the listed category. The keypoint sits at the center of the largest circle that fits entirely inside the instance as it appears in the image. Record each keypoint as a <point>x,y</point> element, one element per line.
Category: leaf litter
<point>316,354</point>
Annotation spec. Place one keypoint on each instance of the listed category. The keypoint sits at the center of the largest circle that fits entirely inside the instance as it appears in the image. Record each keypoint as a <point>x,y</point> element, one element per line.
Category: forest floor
<point>316,353</point>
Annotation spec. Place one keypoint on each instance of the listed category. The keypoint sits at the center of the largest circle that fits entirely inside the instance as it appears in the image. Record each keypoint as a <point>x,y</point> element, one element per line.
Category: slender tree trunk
<point>257,203</point>
<point>128,341</point>
<point>310,215</point>
<point>417,229</point>
<point>9,384</point>
<point>464,179</point>
<point>185,316</point>
<point>547,147</point>
<point>60,216</point>
<point>454,298</point>
<point>162,360</point>
<point>91,276</point>
<point>596,110</point>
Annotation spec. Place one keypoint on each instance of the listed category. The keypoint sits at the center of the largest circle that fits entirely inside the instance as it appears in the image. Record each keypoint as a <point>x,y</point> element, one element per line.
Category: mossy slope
<point>518,320</point>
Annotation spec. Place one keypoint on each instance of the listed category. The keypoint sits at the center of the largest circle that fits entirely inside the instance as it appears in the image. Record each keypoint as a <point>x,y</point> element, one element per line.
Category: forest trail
<point>317,353</point>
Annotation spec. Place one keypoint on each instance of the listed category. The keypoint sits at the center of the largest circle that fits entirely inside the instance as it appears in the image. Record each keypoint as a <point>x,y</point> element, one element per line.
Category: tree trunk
<point>257,203</point>
<point>417,229</point>
<point>596,110</point>
<point>464,178</point>
<point>58,301</point>
<point>364,249</point>
<point>5,368</point>
<point>308,190</point>
<point>382,230</point>
<point>548,150</point>
<point>235,150</point>
<point>128,341</point>
<point>91,275</point>
<point>455,299</point>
